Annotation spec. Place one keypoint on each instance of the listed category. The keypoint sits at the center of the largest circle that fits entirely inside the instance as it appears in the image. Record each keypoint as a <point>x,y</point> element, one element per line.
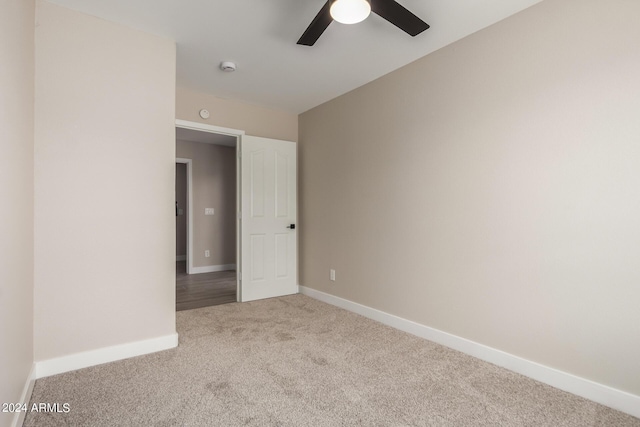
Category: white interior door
<point>268,217</point>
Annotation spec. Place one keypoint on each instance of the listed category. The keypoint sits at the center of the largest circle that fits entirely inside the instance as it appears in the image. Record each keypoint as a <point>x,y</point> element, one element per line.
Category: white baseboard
<point>212,268</point>
<point>46,368</point>
<point>181,258</point>
<point>25,397</point>
<point>605,395</point>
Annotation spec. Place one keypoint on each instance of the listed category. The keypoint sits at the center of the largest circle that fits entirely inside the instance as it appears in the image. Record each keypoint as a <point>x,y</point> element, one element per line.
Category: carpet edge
<point>599,393</point>
<point>85,359</point>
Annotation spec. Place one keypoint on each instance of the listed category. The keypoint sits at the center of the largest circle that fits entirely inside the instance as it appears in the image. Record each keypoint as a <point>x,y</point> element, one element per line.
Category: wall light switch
<point>332,275</point>
<point>208,211</point>
<point>207,253</point>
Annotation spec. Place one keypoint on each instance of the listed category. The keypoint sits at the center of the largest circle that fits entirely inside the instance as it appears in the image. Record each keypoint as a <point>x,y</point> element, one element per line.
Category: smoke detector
<point>228,66</point>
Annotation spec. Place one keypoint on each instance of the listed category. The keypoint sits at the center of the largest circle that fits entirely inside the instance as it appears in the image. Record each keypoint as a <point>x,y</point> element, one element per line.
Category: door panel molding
<point>269,207</point>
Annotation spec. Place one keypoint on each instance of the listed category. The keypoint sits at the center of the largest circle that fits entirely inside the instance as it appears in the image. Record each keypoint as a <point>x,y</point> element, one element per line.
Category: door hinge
<point>240,215</point>
<point>239,154</point>
<point>240,276</point>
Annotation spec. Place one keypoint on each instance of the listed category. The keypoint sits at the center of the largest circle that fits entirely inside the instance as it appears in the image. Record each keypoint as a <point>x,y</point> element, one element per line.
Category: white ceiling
<point>260,36</point>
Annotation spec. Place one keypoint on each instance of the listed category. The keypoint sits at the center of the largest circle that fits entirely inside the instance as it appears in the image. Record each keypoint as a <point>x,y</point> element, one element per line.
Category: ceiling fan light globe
<point>350,11</point>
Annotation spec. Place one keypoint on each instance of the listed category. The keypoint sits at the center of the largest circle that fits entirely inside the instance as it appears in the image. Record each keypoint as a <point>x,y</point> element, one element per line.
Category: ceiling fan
<point>353,11</point>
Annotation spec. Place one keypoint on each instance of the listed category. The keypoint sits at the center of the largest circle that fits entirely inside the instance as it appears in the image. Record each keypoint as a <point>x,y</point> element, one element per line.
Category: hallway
<point>205,289</point>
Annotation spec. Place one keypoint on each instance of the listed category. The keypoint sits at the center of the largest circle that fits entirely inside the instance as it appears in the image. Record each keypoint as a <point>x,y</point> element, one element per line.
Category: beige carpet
<point>295,361</point>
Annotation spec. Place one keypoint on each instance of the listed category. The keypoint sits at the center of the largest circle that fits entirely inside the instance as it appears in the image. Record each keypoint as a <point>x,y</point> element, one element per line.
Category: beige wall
<point>181,198</point>
<point>252,119</point>
<point>16,198</point>
<point>104,184</point>
<point>214,186</point>
<point>490,190</point>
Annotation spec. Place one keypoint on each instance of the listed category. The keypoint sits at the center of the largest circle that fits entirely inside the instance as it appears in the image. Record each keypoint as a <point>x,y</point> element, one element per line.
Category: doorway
<point>266,235</point>
<point>206,206</point>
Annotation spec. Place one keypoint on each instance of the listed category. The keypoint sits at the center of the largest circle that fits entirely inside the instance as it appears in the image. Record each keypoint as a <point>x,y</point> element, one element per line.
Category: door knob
<point>292,226</point>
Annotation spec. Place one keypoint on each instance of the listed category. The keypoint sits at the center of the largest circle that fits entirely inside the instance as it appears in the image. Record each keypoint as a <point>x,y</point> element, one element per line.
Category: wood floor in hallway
<point>204,289</point>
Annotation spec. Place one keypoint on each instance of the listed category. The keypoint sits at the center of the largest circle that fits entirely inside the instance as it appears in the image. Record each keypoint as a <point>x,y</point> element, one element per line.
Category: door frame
<point>202,127</point>
<point>188,162</point>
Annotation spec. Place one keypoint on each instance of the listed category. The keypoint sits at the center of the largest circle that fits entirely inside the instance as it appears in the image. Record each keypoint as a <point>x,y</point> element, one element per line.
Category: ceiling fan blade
<point>317,26</point>
<point>399,16</point>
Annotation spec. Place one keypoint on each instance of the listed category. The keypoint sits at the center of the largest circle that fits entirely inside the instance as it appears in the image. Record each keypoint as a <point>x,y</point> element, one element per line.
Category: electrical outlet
<point>207,254</point>
<point>332,275</point>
